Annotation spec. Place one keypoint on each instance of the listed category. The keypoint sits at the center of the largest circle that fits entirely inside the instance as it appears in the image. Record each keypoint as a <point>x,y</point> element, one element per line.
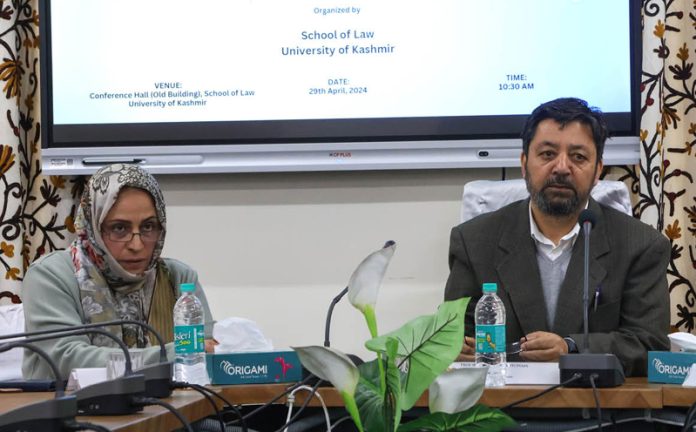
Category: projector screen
<point>297,85</point>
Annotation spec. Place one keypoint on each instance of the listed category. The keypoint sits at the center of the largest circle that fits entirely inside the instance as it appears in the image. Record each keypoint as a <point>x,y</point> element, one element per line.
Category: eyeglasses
<point>149,232</point>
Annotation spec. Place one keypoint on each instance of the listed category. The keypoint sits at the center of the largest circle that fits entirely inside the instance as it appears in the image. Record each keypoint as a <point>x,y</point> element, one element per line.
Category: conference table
<point>635,393</point>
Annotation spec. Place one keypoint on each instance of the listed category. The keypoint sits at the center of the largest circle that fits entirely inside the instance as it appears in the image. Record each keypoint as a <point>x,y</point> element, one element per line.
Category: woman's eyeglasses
<point>149,232</point>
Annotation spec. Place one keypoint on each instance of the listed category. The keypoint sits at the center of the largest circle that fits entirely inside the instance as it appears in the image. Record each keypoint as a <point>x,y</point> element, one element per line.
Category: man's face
<point>561,167</point>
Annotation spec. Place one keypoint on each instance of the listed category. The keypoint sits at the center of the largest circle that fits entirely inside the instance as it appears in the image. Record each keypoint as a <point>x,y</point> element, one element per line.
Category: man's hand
<point>468,350</point>
<point>543,346</point>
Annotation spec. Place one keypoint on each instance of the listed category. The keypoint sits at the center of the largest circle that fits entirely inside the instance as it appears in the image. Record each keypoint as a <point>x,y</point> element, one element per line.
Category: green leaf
<point>479,418</point>
<point>392,398</point>
<point>428,345</point>
<point>457,389</point>
<point>380,411</point>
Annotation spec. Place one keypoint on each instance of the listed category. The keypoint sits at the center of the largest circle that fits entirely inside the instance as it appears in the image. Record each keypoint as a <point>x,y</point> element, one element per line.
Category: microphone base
<point>158,380</point>
<point>606,368</point>
<point>48,415</point>
<point>113,397</point>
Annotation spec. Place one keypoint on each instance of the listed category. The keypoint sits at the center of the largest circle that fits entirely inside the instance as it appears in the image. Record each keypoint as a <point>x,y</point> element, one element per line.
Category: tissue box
<point>669,367</point>
<point>254,367</point>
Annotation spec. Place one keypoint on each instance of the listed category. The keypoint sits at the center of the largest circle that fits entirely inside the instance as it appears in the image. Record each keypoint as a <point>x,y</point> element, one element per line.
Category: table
<point>191,404</point>
<point>635,393</point>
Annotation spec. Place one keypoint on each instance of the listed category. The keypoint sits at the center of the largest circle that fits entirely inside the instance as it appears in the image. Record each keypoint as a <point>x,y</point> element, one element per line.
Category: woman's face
<point>131,230</point>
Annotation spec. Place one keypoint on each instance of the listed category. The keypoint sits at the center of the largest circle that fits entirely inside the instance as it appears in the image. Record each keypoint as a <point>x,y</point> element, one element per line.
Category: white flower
<point>330,365</point>
<point>365,281</point>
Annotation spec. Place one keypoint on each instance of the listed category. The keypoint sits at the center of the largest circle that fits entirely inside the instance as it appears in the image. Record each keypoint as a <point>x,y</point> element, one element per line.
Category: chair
<point>483,196</point>
<point>11,322</point>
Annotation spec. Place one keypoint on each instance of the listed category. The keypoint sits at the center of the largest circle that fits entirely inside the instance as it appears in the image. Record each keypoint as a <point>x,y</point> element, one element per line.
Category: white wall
<point>277,247</point>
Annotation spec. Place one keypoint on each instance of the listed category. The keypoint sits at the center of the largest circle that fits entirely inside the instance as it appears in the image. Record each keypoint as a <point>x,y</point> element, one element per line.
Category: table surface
<point>191,404</point>
<point>635,393</point>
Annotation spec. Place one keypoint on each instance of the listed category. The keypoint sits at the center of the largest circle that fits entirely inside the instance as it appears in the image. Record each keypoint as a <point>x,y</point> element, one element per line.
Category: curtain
<point>37,211</point>
<point>667,195</point>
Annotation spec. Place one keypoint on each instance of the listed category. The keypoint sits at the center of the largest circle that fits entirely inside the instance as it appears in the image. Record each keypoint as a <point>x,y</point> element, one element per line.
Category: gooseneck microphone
<point>329,313</point>
<point>600,370</point>
<point>586,220</point>
<point>49,415</point>
<point>158,377</point>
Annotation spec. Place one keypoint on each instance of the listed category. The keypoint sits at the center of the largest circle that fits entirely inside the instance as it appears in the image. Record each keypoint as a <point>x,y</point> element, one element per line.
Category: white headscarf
<point>109,292</point>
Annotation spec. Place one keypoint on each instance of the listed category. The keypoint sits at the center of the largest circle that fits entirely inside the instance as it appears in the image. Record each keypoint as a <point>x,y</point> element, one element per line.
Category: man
<point>533,250</point>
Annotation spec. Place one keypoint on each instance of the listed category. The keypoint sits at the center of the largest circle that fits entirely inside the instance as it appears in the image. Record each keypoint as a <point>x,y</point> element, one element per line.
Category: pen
<point>596,296</point>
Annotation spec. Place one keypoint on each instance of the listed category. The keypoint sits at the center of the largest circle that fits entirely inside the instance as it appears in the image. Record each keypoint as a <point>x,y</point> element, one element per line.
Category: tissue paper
<point>245,356</point>
<point>239,335</point>
<point>682,341</point>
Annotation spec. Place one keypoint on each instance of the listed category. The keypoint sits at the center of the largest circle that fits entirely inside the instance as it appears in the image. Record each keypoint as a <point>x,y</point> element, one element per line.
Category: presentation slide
<point>135,61</point>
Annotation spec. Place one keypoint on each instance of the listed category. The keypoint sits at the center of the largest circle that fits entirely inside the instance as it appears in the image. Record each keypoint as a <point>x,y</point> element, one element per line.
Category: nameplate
<point>532,373</point>
<point>527,373</point>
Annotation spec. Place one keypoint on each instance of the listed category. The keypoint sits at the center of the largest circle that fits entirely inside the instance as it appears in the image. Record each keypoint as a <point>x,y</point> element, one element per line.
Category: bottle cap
<point>490,287</point>
<point>187,287</point>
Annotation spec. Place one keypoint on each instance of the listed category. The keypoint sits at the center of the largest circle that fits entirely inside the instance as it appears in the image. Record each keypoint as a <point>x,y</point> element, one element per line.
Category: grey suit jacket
<point>628,263</point>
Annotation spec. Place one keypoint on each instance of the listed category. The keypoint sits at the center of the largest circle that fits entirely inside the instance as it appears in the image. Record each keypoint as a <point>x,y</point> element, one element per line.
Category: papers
<point>690,380</point>
<point>525,373</point>
<point>83,377</point>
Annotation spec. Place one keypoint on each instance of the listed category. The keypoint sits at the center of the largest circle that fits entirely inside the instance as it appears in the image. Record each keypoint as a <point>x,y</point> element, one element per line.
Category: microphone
<point>52,414</point>
<point>327,327</point>
<point>586,220</point>
<point>115,397</point>
<point>158,377</point>
<point>601,370</point>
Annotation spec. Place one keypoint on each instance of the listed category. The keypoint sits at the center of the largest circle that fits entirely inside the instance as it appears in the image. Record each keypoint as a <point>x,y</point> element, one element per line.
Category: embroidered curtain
<point>668,132</point>
<point>35,211</point>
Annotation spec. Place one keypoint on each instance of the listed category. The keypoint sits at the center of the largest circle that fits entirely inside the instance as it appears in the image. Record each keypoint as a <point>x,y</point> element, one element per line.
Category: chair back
<point>11,322</point>
<point>483,196</point>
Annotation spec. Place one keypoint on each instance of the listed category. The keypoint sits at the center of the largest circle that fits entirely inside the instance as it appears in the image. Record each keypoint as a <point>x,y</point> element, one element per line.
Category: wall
<point>277,247</point>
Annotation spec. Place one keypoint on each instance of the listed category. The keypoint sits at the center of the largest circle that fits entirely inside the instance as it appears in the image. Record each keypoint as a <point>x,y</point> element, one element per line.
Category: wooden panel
<point>676,395</point>
<point>635,393</point>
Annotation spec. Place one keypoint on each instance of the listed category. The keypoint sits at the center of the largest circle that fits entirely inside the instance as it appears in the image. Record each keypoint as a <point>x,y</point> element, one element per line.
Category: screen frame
<point>310,145</point>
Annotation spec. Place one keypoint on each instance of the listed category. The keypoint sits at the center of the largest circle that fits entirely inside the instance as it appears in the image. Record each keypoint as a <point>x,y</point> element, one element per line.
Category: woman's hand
<point>210,345</point>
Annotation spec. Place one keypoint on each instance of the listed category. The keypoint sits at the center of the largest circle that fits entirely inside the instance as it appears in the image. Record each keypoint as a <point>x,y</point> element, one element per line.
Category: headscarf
<point>109,292</point>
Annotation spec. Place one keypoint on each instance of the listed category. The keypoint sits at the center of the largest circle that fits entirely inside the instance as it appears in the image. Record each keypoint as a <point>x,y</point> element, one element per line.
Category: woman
<point>111,271</point>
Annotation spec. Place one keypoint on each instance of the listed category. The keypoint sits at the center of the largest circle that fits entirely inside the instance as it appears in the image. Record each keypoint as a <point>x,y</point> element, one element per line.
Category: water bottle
<point>490,335</point>
<point>189,338</point>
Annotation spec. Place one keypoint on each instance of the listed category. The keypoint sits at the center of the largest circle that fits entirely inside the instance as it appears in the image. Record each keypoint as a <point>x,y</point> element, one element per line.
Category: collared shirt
<point>546,246</point>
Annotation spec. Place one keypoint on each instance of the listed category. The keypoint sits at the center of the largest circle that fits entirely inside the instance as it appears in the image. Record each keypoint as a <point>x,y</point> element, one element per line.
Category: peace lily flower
<point>365,281</point>
<point>457,389</point>
<point>376,392</point>
<point>333,366</point>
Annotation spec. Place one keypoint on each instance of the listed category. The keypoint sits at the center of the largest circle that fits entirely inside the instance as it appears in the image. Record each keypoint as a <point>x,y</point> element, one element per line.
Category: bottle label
<point>490,338</point>
<point>189,339</point>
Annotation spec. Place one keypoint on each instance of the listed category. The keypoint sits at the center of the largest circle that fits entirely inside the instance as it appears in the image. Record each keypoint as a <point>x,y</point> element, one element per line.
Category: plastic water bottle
<point>189,338</point>
<point>490,335</point>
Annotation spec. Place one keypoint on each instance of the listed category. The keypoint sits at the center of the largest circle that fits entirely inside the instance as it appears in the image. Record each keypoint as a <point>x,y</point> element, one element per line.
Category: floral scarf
<point>107,291</point>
